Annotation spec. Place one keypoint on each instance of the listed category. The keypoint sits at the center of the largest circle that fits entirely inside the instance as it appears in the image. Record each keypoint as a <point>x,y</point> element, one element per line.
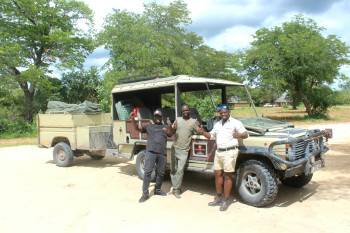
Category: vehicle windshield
<point>205,102</point>
<point>239,102</point>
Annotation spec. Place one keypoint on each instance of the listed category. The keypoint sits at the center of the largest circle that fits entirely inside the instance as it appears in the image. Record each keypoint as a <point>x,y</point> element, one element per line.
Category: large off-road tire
<point>62,154</point>
<point>256,183</point>
<point>297,181</point>
<point>140,161</point>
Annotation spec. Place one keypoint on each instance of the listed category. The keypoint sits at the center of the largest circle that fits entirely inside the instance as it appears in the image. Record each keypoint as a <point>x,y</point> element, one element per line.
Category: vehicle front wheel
<point>140,166</point>
<point>256,183</point>
<point>297,181</point>
<point>62,154</point>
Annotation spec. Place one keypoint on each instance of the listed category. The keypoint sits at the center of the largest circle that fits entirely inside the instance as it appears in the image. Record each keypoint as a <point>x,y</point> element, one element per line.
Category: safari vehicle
<point>275,150</point>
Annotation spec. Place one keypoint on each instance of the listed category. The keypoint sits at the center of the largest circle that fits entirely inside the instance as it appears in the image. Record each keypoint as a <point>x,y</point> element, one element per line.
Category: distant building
<point>283,100</point>
<point>236,102</point>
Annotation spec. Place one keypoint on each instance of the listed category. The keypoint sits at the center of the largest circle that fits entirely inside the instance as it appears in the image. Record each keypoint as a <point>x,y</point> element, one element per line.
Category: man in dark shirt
<point>155,154</point>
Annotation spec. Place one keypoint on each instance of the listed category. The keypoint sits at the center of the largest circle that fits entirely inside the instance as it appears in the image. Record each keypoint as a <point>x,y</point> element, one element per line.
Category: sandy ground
<point>101,196</point>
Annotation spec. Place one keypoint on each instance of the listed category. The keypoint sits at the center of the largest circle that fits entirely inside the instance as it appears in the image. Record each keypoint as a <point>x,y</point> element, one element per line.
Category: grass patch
<point>18,141</point>
<point>299,116</point>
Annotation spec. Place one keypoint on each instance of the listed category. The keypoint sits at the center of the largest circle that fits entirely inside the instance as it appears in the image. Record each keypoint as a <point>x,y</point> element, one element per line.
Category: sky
<point>229,25</point>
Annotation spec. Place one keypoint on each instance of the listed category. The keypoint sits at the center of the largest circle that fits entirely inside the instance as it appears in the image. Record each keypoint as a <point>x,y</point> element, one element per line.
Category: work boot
<point>159,193</point>
<point>217,201</point>
<point>224,205</point>
<point>143,198</point>
<point>177,193</point>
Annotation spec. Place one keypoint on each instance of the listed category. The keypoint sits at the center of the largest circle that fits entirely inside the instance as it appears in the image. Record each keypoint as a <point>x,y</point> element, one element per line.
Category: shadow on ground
<point>334,187</point>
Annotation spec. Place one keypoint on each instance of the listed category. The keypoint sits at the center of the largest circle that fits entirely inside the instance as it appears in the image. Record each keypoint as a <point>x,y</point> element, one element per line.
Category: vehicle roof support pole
<point>177,100</point>
<point>211,97</point>
<point>251,101</point>
<point>223,95</point>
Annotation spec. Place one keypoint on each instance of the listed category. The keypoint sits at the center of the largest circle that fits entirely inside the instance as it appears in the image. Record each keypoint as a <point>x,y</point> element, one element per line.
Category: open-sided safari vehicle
<point>275,150</point>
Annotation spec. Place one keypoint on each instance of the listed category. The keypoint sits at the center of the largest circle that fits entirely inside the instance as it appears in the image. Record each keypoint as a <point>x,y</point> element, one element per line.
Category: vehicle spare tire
<point>140,164</point>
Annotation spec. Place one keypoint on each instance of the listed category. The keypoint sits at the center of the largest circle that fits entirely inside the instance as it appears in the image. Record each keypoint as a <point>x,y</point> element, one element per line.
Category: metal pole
<point>211,97</point>
<point>251,101</point>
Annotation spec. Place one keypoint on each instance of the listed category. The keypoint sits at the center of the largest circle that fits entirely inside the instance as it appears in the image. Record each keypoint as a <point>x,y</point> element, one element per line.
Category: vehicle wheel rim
<point>61,155</point>
<point>252,183</point>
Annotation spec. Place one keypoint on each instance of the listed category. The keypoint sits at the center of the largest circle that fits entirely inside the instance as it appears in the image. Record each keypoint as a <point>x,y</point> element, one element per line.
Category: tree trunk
<point>29,91</point>
<point>307,105</point>
<point>29,106</point>
<point>295,101</point>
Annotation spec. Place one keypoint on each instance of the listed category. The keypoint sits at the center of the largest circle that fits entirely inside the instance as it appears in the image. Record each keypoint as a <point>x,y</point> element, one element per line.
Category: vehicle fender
<point>259,153</point>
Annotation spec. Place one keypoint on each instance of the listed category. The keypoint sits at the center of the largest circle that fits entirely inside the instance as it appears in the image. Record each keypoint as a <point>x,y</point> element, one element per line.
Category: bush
<point>17,128</point>
<point>342,97</point>
<point>321,98</point>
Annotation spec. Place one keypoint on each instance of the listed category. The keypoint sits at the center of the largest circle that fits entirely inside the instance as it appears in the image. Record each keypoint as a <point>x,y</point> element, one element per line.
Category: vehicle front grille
<point>303,148</point>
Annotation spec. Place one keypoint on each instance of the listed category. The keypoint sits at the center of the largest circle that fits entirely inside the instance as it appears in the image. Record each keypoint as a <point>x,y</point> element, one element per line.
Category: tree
<point>298,58</point>
<point>156,43</point>
<point>152,43</point>
<point>37,34</point>
<point>216,64</point>
<point>81,85</point>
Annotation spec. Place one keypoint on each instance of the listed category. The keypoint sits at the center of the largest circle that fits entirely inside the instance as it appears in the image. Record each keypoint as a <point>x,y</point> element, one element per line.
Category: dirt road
<point>101,196</point>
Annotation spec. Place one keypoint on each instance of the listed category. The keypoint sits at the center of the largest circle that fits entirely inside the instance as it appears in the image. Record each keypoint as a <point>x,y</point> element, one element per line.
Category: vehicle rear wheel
<point>297,181</point>
<point>140,165</point>
<point>62,154</point>
<point>256,183</point>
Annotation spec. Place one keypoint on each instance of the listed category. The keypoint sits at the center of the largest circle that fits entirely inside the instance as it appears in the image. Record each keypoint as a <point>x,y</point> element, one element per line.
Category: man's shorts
<point>225,160</point>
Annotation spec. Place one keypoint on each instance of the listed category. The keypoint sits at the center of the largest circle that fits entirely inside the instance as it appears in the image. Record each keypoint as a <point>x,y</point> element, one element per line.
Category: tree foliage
<point>157,43</point>
<point>81,85</point>
<point>36,34</point>
<point>298,58</point>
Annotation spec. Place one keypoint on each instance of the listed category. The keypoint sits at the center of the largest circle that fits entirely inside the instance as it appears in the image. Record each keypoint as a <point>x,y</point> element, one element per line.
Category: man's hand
<point>238,135</point>
<point>168,130</point>
<point>174,125</point>
<point>200,130</point>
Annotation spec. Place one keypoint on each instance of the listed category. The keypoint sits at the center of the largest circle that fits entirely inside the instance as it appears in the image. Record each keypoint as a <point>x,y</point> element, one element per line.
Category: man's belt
<point>227,148</point>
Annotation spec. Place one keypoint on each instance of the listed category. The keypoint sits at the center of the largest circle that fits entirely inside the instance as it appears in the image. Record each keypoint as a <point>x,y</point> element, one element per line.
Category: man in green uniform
<point>185,127</point>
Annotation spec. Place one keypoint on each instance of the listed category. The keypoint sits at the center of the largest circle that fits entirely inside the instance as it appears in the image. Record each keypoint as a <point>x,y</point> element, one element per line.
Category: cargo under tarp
<point>61,107</point>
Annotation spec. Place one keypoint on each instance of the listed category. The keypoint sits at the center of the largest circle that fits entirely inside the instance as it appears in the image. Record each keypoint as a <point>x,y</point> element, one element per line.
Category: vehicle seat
<point>195,114</point>
<point>123,109</point>
<point>144,113</point>
<point>168,113</point>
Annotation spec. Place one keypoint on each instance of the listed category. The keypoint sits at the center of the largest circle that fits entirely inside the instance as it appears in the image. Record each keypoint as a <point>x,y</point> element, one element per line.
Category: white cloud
<point>229,25</point>
<point>234,38</point>
<point>102,8</point>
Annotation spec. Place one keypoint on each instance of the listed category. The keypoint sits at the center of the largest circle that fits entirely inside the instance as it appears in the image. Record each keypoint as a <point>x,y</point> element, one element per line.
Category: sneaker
<point>217,201</point>
<point>159,193</point>
<point>224,205</point>
<point>176,193</point>
<point>143,198</point>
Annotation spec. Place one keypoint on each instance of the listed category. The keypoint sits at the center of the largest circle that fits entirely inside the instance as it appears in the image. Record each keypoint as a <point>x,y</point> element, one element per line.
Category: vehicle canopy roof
<point>193,83</point>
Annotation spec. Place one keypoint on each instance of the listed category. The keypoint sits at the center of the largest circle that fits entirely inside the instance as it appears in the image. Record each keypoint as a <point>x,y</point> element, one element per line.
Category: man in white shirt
<point>226,132</point>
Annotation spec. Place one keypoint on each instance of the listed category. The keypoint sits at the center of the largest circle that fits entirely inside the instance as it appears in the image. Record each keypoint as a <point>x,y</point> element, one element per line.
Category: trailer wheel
<point>140,164</point>
<point>62,154</point>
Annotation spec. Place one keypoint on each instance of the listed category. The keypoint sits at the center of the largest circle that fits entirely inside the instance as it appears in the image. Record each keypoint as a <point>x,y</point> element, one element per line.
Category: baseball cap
<point>221,107</point>
<point>157,112</point>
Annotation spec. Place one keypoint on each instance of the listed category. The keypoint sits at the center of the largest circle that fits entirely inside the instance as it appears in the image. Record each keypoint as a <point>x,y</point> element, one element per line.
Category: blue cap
<point>221,107</point>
